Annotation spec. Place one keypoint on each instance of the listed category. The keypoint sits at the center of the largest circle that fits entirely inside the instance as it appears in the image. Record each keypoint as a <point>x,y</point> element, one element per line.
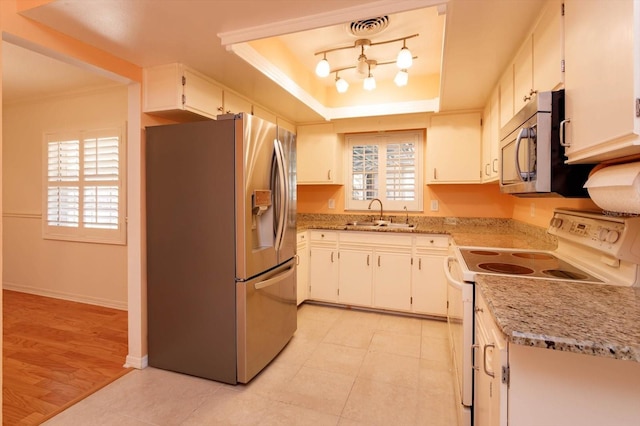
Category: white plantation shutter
<point>387,166</point>
<point>84,190</point>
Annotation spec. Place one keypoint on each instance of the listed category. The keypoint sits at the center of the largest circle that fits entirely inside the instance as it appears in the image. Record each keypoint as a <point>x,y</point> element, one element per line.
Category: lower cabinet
<point>323,266</point>
<point>302,266</point>
<point>392,271</point>
<point>392,281</point>
<point>428,288</point>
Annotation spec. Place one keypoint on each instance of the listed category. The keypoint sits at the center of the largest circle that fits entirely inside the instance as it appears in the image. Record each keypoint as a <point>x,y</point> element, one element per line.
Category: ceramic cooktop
<point>531,264</point>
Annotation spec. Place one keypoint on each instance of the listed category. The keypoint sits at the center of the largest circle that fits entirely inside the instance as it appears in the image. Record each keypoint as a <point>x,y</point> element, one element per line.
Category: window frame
<point>82,233</point>
<point>383,139</point>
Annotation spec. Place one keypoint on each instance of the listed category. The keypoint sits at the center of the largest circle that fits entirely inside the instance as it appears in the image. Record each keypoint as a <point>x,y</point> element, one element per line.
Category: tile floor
<point>342,367</point>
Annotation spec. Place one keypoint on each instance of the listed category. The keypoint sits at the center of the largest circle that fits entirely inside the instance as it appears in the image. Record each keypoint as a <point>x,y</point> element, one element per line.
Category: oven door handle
<point>447,272</point>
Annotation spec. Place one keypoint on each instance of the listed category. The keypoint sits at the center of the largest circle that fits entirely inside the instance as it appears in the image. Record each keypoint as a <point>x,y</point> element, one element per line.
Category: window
<point>387,166</point>
<point>83,194</point>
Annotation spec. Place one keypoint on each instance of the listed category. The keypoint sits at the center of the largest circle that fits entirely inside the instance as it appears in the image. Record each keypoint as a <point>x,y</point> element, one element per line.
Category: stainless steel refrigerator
<point>221,225</point>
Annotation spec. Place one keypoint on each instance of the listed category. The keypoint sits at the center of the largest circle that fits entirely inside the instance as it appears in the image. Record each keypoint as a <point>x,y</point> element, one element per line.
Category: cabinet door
<point>454,149</point>
<point>201,95</point>
<point>506,96</point>
<point>523,75</point>
<point>355,277</point>
<point>302,274</point>
<point>483,383</point>
<point>491,137</point>
<point>234,104</point>
<point>323,280</point>
<point>547,49</point>
<point>319,155</point>
<point>392,281</point>
<point>600,69</point>
<point>429,285</point>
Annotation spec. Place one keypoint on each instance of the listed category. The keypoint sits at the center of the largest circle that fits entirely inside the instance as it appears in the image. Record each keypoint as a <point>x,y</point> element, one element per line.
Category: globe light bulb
<point>402,78</point>
<point>323,69</point>
<point>405,58</point>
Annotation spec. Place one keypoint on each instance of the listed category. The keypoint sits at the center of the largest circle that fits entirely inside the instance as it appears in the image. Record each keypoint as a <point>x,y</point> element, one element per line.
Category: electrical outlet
<point>332,203</point>
<point>434,205</point>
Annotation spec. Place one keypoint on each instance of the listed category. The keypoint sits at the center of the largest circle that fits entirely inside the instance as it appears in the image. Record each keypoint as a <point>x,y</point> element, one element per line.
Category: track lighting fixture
<point>364,64</point>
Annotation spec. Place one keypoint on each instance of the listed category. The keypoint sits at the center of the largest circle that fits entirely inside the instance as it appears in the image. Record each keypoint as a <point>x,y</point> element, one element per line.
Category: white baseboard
<point>137,362</point>
<point>114,304</point>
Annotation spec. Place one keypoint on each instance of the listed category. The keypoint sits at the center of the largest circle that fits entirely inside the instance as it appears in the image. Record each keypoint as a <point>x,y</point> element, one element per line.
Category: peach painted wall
<point>453,200</point>
<point>86,272</point>
<point>483,200</point>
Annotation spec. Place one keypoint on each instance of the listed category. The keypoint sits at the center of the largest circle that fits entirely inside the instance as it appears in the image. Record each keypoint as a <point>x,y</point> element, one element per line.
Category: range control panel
<point>617,236</point>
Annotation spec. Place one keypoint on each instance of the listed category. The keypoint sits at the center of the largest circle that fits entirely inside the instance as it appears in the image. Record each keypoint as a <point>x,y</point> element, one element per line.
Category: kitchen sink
<point>381,224</point>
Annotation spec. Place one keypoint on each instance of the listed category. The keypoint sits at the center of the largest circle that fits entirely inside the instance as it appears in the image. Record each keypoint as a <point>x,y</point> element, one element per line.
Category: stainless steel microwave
<point>532,162</point>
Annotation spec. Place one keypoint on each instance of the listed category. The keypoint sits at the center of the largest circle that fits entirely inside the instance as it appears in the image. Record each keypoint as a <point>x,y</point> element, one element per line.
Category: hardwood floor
<point>56,352</point>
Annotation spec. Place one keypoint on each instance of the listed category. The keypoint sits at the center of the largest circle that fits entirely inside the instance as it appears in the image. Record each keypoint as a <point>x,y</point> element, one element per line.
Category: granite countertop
<point>595,319</point>
<point>478,232</point>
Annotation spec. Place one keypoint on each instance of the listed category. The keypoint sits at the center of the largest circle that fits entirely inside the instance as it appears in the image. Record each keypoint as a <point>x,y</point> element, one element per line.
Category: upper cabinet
<point>491,138</point>
<point>234,104</point>
<point>174,90</point>
<point>319,155</point>
<point>602,79</point>
<point>537,66</point>
<point>453,149</point>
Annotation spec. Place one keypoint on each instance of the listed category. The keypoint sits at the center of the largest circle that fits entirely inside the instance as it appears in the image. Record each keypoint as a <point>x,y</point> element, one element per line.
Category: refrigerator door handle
<point>271,281</point>
<point>280,185</point>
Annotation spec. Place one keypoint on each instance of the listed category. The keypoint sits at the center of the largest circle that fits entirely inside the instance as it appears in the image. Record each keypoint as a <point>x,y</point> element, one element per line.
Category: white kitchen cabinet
<point>320,155</point>
<point>264,114</point>
<point>547,49</point>
<point>428,282</point>
<point>173,90</point>
<point>454,148</point>
<point>523,75</point>
<point>392,281</point>
<point>491,391</point>
<point>491,138</point>
<point>234,104</point>
<point>302,266</point>
<point>568,388</point>
<point>323,266</point>
<point>356,276</point>
<point>602,79</point>
<point>506,96</point>
<point>537,67</point>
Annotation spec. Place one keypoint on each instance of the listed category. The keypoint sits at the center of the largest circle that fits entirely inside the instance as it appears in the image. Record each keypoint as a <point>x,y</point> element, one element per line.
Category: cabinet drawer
<point>301,237</point>
<point>324,236</point>
<point>432,241</point>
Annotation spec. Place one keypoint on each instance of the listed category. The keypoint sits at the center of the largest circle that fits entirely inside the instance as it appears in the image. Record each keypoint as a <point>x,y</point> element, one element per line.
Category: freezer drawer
<point>267,318</point>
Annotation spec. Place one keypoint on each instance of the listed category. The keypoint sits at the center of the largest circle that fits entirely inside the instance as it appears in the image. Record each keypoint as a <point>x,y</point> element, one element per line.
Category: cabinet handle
<point>526,98</point>
<point>563,125</point>
<point>378,261</point>
<point>495,165</point>
<point>367,260</point>
<point>331,257</point>
<point>420,264</point>
<point>220,109</point>
<point>435,174</point>
<point>297,260</point>
<point>329,174</point>
<point>484,360</point>
<point>486,169</point>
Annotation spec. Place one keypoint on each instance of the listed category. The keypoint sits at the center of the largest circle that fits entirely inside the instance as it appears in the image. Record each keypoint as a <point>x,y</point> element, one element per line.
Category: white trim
<point>106,303</point>
<point>333,17</point>
<point>136,362</point>
<point>251,56</point>
<point>409,107</point>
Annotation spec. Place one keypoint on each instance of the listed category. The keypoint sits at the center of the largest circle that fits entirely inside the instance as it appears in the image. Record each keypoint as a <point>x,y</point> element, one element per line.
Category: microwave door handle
<point>523,134</point>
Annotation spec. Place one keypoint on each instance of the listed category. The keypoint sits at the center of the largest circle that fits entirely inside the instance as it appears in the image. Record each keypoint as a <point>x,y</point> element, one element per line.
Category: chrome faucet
<point>378,200</point>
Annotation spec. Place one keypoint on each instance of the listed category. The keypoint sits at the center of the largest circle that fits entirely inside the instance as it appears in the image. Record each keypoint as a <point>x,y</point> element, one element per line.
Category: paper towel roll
<point>616,188</point>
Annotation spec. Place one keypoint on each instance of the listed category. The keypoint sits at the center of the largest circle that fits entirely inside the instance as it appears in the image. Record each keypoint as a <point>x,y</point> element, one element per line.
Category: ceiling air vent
<point>368,27</point>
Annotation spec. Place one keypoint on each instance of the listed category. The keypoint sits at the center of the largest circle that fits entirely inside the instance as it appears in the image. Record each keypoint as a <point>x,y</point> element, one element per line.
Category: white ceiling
<point>481,36</point>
